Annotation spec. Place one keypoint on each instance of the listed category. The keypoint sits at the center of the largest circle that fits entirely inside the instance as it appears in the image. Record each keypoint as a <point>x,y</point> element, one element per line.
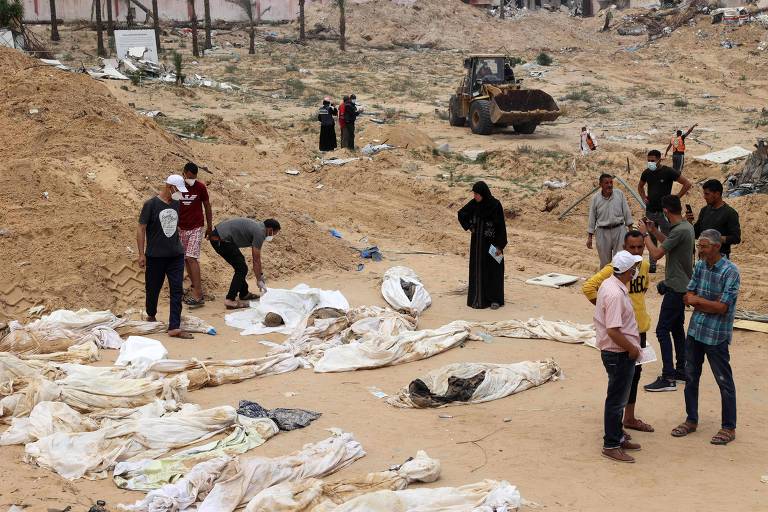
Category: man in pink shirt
<point>618,339</point>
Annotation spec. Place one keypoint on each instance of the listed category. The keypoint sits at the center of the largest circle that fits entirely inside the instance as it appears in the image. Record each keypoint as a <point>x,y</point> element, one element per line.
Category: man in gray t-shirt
<point>227,239</point>
<point>677,248</point>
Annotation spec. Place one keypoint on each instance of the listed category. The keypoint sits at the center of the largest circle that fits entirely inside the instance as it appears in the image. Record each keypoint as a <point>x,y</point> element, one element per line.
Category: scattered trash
<point>370,149</point>
<point>445,416</point>
<point>727,43</point>
<point>5,232</point>
<point>725,155</point>
<point>35,310</point>
<point>45,195</point>
<point>754,175</point>
<point>443,148</point>
<point>338,161</point>
<point>377,392</point>
<point>372,253</point>
<point>34,111</point>
<point>378,121</point>
<point>292,172</point>
<point>100,506</point>
<point>56,63</point>
<point>555,184</point>
<point>507,420</point>
<point>762,46</point>
<point>150,113</point>
<point>487,338</point>
<point>764,479</point>
<point>474,154</point>
<point>285,419</point>
<point>335,233</point>
<point>290,394</point>
<point>360,267</point>
<point>319,186</point>
<point>553,280</point>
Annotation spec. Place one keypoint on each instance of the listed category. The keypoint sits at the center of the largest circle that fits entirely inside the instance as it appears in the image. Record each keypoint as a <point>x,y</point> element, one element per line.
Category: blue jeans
<point>620,369</point>
<point>719,360</point>
<point>671,326</point>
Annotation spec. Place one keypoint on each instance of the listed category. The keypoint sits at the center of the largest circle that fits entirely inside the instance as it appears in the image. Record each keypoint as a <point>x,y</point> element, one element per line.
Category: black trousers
<point>155,272</point>
<point>232,255</point>
<point>349,141</point>
<point>720,361</point>
<point>638,371</point>
<point>620,369</point>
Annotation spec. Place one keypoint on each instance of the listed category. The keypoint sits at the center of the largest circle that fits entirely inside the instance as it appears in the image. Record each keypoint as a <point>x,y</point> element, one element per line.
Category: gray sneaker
<point>661,384</point>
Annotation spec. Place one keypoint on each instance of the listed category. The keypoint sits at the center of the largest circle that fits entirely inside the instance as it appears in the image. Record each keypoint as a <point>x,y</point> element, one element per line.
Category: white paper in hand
<point>647,355</point>
<point>492,251</point>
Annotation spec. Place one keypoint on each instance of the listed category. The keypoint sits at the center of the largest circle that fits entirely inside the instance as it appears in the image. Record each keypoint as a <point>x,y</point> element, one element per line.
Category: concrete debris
<point>727,43</point>
<point>553,280</point>
<point>555,184</point>
<point>338,161</point>
<point>633,30</point>
<point>725,155</point>
<point>56,63</point>
<point>292,172</point>
<point>474,154</point>
<point>754,175</point>
<point>372,149</point>
<point>150,113</point>
<point>443,148</point>
<point>137,52</point>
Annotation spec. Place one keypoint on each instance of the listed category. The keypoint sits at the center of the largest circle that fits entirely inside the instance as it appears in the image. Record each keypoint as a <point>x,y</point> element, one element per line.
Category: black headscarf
<point>488,205</point>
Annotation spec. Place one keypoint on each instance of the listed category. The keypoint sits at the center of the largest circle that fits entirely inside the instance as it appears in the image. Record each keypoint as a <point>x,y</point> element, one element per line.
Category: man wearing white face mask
<point>191,225</point>
<point>227,239</point>
<point>659,179</point>
<point>164,255</point>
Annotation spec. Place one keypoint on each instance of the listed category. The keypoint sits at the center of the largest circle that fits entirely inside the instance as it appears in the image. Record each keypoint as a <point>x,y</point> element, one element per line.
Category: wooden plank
<point>751,325</point>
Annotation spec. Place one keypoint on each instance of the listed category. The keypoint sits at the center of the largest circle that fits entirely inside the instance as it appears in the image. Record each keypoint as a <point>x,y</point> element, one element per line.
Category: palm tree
<point>302,33</point>
<point>99,31</point>
<point>248,7</point>
<point>110,25</point>
<point>54,23</point>
<point>207,7</point>
<point>193,19</point>
<point>342,24</point>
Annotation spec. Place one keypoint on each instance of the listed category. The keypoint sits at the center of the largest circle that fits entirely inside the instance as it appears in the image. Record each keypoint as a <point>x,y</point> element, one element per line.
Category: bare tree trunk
<point>302,32</point>
<point>156,24</point>
<point>207,7</point>
<point>54,23</point>
<point>252,38</point>
<point>110,25</point>
<point>99,31</point>
<point>193,20</point>
<point>501,9</point>
<point>342,25</point>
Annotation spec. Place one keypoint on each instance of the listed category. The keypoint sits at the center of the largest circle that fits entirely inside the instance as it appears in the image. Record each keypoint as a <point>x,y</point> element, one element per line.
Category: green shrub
<point>543,59</point>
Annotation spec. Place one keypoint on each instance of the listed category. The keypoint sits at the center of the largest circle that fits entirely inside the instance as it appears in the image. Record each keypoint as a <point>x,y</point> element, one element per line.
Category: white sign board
<point>127,39</point>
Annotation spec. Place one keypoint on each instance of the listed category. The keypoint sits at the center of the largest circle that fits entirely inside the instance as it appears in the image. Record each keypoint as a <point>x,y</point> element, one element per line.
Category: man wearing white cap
<point>164,254</point>
<point>618,339</point>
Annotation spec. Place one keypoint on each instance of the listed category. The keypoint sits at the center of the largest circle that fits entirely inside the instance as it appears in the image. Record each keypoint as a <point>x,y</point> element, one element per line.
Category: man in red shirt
<point>191,226</point>
<point>342,124</point>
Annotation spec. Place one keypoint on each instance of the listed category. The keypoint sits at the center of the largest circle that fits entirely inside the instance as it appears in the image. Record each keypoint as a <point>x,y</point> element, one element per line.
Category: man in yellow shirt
<point>634,244</point>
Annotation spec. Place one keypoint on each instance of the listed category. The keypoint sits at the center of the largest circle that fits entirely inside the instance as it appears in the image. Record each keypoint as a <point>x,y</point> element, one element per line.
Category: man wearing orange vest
<point>677,145</point>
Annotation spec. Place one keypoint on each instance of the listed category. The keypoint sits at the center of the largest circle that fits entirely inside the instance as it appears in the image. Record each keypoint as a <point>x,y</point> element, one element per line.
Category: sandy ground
<point>550,445</point>
<point>99,159</point>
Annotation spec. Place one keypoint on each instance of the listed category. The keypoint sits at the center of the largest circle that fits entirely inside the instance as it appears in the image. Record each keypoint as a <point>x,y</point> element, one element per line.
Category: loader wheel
<point>526,128</point>
<point>480,117</point>
<point>454,113</point>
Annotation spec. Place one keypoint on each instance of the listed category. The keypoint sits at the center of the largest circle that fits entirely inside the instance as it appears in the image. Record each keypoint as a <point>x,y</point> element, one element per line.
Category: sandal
<point>250,296</point>
<point>193,302</point>
<point>723,437</point>
<point>239,305</point>
<point>683,429</point>
<point>639,425</point>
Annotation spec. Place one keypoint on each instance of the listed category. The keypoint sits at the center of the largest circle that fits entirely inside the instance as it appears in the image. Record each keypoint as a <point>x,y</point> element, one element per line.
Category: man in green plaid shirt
<point>712,293</point>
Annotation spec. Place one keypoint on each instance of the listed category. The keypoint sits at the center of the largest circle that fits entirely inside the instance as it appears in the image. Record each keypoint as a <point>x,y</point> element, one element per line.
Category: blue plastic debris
<point>335,233</point>
<point>372,253</point>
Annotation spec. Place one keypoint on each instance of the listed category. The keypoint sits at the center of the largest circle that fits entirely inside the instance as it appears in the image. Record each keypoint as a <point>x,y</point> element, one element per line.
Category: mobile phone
<point>688,208</point>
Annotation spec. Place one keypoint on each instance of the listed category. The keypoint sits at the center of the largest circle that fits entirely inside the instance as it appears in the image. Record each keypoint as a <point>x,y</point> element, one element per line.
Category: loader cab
<point>484,70</point>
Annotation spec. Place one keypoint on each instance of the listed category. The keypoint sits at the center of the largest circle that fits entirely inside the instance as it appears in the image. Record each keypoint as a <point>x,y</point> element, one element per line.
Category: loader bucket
<point>521,106</point>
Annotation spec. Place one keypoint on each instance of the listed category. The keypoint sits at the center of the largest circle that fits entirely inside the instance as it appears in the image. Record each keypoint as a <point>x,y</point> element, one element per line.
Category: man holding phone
<point>677,247</point>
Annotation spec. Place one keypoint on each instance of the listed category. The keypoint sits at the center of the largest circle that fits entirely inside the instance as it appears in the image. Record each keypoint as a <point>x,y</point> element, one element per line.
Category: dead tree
<point>342,24</point>
<point>156,24</point>
<point>54,23</point>
<point>99,31</point>
<point>503,4</point>
<point>207,8</point>
<point>302,31</point>
<point>193,20</point>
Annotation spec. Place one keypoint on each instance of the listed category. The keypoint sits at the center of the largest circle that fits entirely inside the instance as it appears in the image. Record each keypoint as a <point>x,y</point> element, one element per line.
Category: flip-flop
<point>194,303</point>
<point>640,426</point>
<point>250,296</point>
<point>239,306</point>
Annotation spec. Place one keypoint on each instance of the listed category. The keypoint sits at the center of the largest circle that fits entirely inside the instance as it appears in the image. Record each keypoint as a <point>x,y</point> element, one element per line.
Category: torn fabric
<point>463,383</point>
<point>538,328</point>
<point>375,351</point>
<point>402,289</point>
<point>224,484</point>
<point>316,495</point>
<point>92,454</point>
<point>293,306</point>
<point>285,419</point>
<point>149,474</point>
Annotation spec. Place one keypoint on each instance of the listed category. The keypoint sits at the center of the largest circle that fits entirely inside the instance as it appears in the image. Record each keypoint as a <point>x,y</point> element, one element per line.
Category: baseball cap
<point>177,181</point>
<point>624,261</point>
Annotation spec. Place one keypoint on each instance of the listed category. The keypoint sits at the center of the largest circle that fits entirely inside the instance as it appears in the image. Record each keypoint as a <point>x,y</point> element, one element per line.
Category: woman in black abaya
<point>484,217</point>
<point>326,116</point>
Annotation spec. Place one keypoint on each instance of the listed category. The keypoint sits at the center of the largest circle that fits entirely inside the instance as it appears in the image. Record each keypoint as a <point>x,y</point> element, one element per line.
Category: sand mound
<point>76,167</point>
<point>400,135</point>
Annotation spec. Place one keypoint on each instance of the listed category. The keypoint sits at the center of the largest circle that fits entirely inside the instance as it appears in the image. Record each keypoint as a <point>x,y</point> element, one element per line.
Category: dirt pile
<point>447,24</point>
<point>76,167</point>
<point>400,135</point>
